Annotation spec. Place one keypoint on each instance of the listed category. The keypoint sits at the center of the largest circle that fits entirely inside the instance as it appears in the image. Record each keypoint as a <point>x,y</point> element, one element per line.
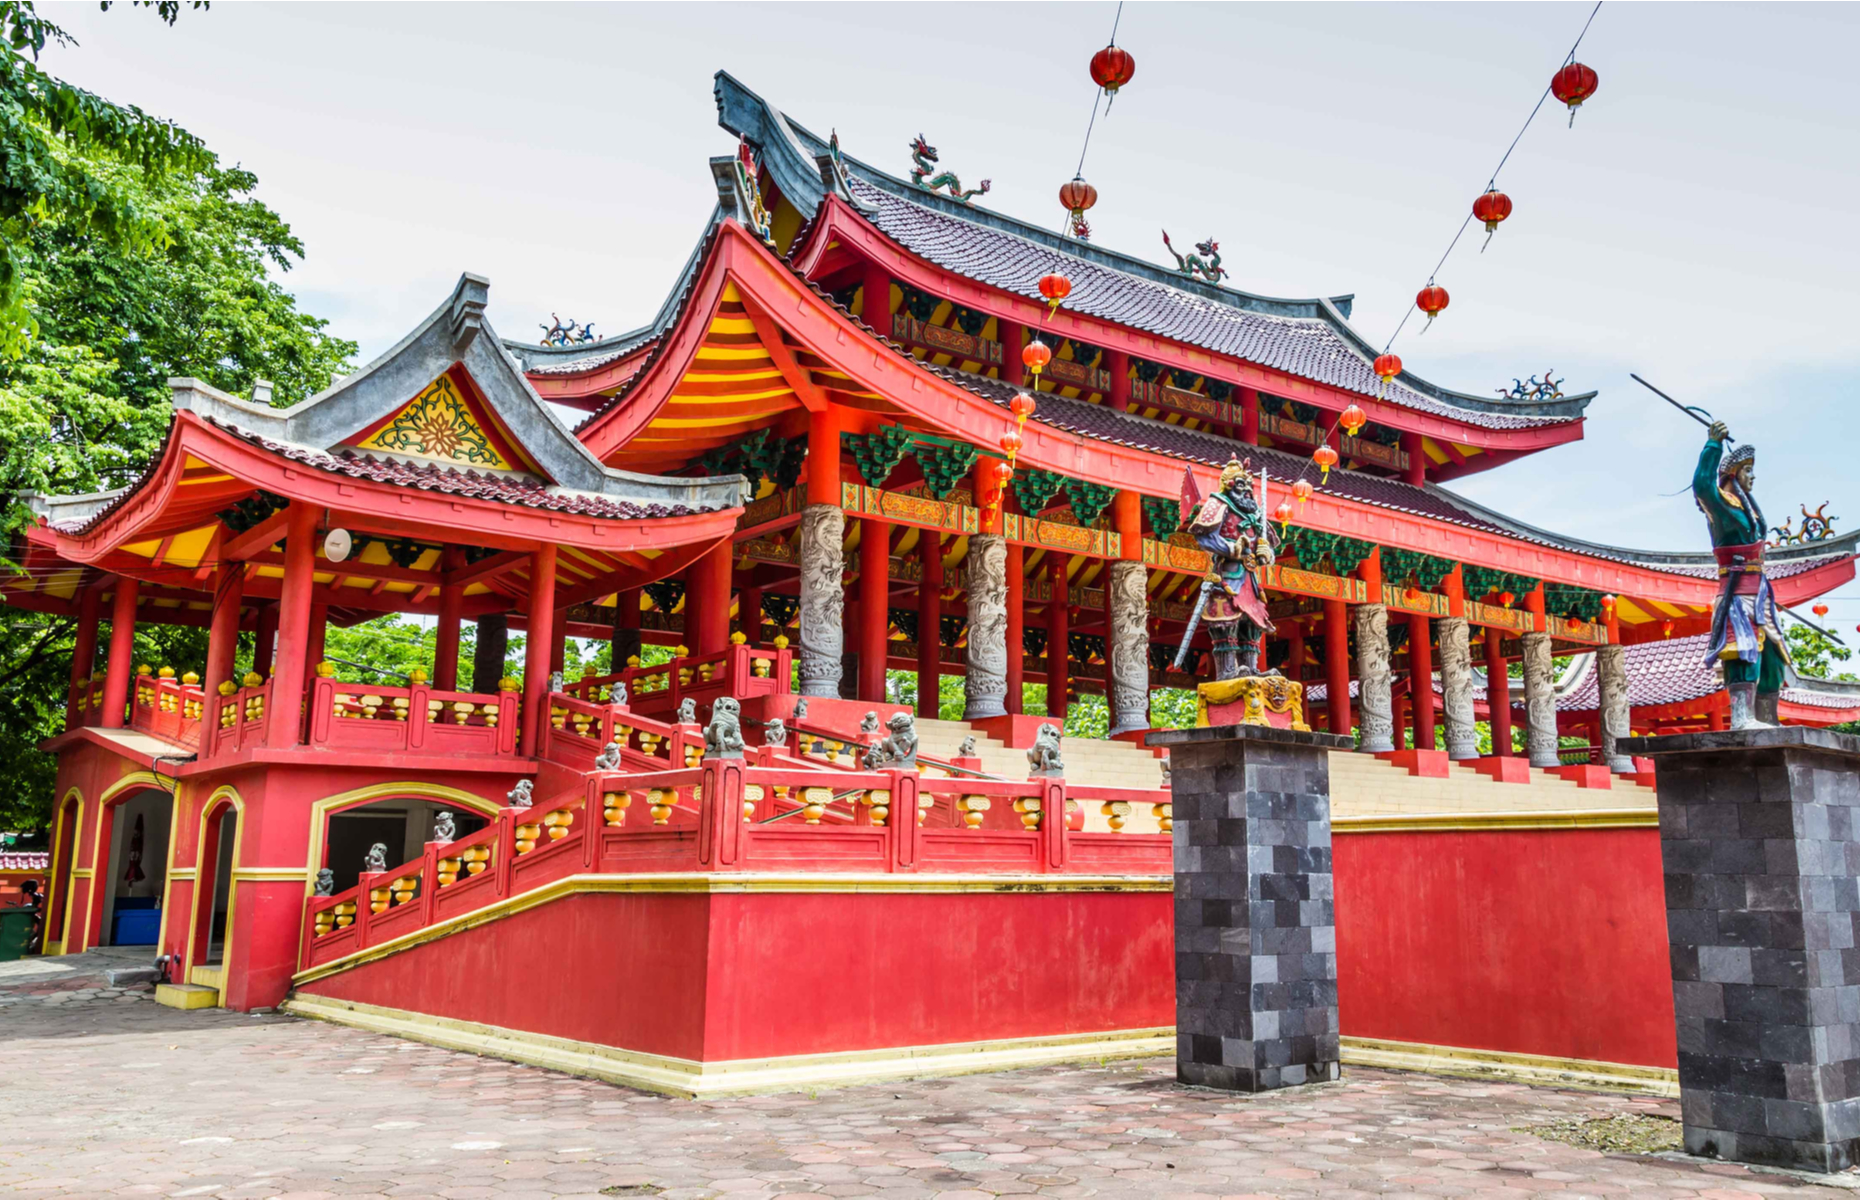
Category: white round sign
<point>336,545</point>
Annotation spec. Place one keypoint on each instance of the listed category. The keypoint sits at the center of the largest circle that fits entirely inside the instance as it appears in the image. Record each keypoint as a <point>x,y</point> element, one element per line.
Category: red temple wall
<point>1548,942</point>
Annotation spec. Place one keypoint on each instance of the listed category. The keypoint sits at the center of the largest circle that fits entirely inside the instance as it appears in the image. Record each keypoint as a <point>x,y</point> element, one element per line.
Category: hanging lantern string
<point>1097,98</point>
<point>1492,180</point>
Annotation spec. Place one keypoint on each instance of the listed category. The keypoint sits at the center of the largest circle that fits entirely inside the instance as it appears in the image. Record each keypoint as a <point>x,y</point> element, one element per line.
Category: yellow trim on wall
<point>701,1080</point>
<point>211,976</point>
<point>321,809</point>
<point>1537,1069</point>
<point>1485,822</point>
<point>287,874</point>
<point>98,851</point>
<point>77,834</point>
<point>686,883</point>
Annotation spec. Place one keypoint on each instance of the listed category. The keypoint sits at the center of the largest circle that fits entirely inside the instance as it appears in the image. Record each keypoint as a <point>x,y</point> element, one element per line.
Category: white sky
<point>1696,225</point>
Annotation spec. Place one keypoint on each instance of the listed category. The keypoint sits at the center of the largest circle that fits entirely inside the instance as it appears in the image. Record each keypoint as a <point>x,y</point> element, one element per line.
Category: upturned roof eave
<point>793,167</point>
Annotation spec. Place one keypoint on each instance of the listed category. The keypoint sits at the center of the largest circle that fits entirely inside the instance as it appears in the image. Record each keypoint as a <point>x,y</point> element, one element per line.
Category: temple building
<point>790,480</point>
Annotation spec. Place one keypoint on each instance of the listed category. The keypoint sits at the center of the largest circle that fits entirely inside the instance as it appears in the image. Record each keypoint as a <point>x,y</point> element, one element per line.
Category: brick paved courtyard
<point>104,1093</point>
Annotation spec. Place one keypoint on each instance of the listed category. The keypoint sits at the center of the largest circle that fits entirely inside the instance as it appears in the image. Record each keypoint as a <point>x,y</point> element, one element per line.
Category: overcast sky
<point>1696,224</point>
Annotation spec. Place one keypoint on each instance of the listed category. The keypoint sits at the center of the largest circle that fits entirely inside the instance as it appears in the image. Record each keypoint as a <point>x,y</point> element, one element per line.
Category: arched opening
<point>213,890</point>
<point>140,826</point>
<point>403,824</point>
<point>64,848</point>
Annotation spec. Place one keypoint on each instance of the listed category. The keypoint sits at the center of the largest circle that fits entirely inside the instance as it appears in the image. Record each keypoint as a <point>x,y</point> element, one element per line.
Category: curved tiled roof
<point>1309,347</point>
<point>1674,670</point>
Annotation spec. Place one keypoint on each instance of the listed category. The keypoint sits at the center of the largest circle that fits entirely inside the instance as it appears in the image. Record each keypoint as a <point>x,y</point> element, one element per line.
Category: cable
<point>1096,99</point>
<point>1492,179</point>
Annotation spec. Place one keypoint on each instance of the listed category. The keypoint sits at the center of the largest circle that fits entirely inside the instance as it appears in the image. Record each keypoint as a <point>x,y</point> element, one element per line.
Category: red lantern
<point>1352,420</point>
<point>1010,442</point>
<point>1111,68</point>
<point>1301,490</point>
<point>1283,513</point>
<point>1387,367</point>
<point>1505,599</point>
<point>1055,287</point>
<point>1572,85</point>
<point>1666,629</point>
<point>1820,610</point>
<point>1035,355</point>
<point>1022,406</point>
<point>1004,471</point>
<point>1492,206</point>
<point>1431,300</point>
<point>1077,196</point>
<point>1608,603</point>
<point>1326,458</point>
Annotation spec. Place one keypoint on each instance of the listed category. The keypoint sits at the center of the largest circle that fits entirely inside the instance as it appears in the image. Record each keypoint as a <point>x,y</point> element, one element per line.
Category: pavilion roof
<point>1675,671</point>
<point>1309,338</point>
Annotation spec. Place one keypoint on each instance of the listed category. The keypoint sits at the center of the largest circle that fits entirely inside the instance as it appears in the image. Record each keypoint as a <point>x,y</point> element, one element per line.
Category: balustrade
<point>764,811</point>
<point>740,670</point>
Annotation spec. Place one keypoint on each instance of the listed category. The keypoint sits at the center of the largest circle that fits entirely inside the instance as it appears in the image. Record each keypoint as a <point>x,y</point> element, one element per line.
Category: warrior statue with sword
<point>1746,630</point>
<point>1231,526</point>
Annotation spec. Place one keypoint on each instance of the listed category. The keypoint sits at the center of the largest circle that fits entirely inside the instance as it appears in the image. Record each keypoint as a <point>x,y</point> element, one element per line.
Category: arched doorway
<point>65,826</point>
<point>132,873</point>
<point>218,859</point>
<point>402,823</point>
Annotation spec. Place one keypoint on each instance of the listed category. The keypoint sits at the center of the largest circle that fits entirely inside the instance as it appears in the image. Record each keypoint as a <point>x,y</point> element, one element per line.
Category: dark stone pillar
<point>1255,932</point>
<point>488,650</point>
<point>1761,846</point>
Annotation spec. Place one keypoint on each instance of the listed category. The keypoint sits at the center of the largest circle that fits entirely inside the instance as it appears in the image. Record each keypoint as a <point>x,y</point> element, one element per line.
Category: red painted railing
<point>733,815</point>
<point>168,708</point>
<point>420,718</point>
<point>578,730</point>
<point>84,704</point>
<point>236,718</point>
<point>740,671</point>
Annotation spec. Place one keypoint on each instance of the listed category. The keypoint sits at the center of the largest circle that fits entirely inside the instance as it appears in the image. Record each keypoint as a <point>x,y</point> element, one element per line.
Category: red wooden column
<point>626,626</point>
<point>929,622</point>
<point>1016,627</point>
<point>1013,336</point>
<point>284,720</point>
<point>1416,473</point>
<point>1057,628</point>
<point>876,309</point>
<point>536,648</point>
<point>1401,721</point>
<point>120,667</point>
<point>265,640</point>
<point>874,606</point>
<point>1249,420</point>
<point>84,652</point>
<point>558,641</point>
<point>749,613</point>
<point>446,645</point>
<point>707,623</point>
<point>317,643</point>
<point>1117,365</point>
<point>1337,665</point>
<point>1421,679</point>
<point>223,633</point>
<point>1498,691</point>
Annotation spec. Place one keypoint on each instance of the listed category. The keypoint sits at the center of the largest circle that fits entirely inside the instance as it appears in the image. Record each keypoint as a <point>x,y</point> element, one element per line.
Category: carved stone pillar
<point>987,684</point>
<point>823,533</point>
<point>1613,721</point>
<point>1456,682</point>
<point>1539,701</point>
<point>1130,641</point>
<point>1375,700</point>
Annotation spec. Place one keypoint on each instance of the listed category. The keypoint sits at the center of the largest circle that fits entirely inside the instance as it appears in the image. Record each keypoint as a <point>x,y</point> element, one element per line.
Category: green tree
<point>1815,653</point>
<point>84,406</point>
<point>59,146</point>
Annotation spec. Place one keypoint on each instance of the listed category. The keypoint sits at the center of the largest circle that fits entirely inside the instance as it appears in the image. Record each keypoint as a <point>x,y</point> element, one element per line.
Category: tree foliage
<point>58,145</point>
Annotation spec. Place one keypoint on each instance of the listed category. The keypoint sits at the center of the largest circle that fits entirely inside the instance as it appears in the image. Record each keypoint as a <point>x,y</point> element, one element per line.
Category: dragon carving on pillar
<point>1205,264</point>
<point>926,176</point>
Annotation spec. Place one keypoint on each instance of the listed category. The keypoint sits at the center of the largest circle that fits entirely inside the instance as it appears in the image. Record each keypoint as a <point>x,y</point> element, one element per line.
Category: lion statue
<point>609,757</point>
<point>519,796</point>
<point>775,733</point>
<point>325,882</point>
<point>723,737</point>
<point>687,711</point>
<point>1043,758</point>
<point>443,828</point>
<point>376,862</point>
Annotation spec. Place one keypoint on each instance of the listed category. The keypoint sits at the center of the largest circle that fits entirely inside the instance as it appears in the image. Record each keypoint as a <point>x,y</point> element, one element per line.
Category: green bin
<point>15,928</point>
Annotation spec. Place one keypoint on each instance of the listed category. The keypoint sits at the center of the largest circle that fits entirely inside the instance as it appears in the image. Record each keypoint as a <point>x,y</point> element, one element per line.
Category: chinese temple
<point>791,483</point>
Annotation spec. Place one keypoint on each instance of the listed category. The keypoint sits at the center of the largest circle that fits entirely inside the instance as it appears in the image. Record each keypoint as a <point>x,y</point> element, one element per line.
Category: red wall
<point>1548,942</point>
<point>730,976</point>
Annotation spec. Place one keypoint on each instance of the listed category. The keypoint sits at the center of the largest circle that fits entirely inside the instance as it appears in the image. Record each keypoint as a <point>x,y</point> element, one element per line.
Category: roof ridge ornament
<point>467,312</point>
<point>926,175</point>
<point>1204,265</point>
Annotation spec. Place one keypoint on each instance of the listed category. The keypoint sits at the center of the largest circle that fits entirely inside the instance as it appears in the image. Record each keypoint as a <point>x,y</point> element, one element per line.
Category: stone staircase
<point>1100,761</point>
<point>1362,785</point>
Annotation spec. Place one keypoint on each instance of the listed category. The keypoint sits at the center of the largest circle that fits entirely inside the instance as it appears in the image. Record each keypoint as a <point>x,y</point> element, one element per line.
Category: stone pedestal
<point>1760,838</point>
<point>1255,933</point>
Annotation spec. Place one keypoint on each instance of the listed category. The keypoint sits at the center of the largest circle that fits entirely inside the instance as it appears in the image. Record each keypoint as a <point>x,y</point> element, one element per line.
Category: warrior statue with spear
<point>1231,526</point>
